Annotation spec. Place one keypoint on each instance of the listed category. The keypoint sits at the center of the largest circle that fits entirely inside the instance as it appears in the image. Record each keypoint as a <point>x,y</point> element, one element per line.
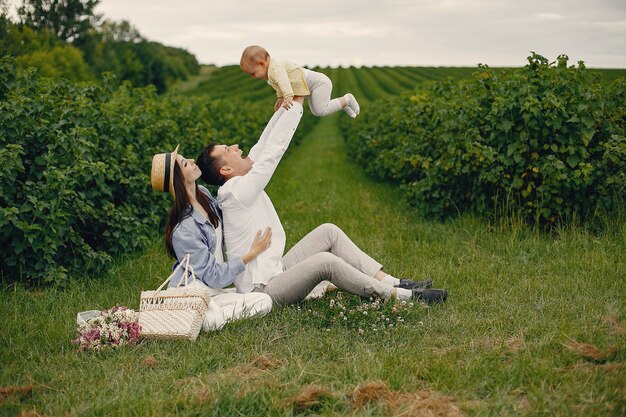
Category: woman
<point>194,228</point>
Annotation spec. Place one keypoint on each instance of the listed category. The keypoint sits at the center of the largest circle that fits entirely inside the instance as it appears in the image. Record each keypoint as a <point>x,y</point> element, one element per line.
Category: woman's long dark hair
<point>182,208</point>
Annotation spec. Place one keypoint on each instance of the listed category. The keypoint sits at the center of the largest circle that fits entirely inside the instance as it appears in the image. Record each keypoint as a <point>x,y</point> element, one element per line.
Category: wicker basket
<point>174,313</point>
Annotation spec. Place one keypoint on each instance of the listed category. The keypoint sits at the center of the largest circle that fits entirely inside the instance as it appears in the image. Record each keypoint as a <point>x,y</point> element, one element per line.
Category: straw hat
<point>162,175</point>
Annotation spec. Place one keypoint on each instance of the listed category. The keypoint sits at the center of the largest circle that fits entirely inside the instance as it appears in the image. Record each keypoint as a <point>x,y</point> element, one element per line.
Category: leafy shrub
<point>62,61</point>
<point>53,58</point>
<point>74,181</point>
<point>547,140</point>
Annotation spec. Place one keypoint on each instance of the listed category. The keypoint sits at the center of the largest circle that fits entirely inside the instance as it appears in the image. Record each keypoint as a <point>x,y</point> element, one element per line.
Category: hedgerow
<point>74,178</point>
<point>547,141</point>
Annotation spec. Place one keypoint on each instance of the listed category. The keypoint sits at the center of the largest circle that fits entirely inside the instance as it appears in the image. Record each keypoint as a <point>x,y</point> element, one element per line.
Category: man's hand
<point>279,103</point>
<point>287,102</point>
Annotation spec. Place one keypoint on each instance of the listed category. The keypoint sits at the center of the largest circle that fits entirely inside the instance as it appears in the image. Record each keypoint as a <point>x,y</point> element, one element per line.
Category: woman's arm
<point>202,258</point>
<point>201,250</point>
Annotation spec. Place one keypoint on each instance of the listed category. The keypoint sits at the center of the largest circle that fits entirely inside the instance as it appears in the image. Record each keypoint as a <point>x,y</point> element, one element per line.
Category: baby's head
<point>254,61</point>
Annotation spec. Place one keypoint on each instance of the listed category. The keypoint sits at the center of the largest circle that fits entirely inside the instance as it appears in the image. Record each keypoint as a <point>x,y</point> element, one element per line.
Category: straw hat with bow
<point>162,175</point>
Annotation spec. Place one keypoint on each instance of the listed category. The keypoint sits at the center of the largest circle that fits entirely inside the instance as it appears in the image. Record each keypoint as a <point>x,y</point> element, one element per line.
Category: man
<point>326,253</point>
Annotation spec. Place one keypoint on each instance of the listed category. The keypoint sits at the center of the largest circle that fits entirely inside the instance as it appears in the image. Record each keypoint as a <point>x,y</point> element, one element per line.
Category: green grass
<point>497,347</point>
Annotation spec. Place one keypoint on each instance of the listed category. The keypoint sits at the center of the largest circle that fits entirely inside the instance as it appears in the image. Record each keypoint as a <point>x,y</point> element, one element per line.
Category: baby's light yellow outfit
<point>287,79</point>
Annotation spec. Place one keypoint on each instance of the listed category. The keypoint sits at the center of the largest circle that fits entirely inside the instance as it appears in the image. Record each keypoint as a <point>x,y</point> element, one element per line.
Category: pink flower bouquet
<point>113,328</point>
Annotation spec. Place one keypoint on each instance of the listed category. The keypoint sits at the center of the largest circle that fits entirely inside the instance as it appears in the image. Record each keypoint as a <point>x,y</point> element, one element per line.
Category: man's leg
<point>298,280</point>
<point>330,238</point>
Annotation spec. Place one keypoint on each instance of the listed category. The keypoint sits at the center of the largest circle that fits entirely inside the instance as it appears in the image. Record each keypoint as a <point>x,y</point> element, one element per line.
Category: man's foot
<point>352,106</point>
<point>430,296</point>
<point>408,284</point>
<point>319,290</point>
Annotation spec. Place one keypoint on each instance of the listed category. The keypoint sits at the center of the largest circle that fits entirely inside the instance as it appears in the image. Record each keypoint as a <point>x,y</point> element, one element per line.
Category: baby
<point>291,80</point>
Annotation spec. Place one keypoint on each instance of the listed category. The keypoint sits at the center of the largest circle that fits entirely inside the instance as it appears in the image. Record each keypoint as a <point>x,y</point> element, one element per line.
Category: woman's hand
<point>260,243</point>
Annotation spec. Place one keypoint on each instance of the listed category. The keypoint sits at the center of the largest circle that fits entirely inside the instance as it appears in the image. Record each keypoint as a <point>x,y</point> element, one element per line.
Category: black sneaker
<point>407,284</point>
<point>430,296</point>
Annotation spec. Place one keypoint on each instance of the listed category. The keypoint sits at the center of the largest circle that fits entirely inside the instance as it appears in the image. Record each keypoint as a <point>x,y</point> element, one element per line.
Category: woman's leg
<point>234,306</point>
<point>293,285</point>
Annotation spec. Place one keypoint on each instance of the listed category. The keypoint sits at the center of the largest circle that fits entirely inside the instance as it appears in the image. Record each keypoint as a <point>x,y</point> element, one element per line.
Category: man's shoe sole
<point>430,296</point>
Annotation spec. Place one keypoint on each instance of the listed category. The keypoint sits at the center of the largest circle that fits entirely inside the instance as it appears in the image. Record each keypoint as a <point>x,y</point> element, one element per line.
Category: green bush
<point>547,141</point>
<point>43,50</point>
<point>74,181</point>
<point>61,61</point>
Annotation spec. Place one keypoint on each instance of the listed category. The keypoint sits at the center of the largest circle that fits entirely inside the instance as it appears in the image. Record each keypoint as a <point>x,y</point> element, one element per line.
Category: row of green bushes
<point>547,141</point>
<point>74,178</point>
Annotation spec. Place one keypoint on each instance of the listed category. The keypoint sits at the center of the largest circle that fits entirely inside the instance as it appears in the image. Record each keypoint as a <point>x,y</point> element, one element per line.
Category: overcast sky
<point>385,32</point>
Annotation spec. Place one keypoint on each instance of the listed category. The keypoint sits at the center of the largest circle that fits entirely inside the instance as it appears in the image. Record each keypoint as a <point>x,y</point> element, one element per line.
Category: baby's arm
<point>279,76</point>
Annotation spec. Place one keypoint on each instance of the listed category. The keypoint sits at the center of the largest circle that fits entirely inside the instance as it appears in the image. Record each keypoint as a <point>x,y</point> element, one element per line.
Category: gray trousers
<point>326,253</point>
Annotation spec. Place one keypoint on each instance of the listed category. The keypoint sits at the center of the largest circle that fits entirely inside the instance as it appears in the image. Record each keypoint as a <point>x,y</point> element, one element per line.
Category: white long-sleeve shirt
<point>246,208</point>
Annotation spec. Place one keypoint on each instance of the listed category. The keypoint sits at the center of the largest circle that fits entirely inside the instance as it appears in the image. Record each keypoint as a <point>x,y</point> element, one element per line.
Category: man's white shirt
<point>246,208</point>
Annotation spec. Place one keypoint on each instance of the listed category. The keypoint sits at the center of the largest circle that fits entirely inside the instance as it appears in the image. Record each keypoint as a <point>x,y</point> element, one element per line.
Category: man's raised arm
<point>269,153</point>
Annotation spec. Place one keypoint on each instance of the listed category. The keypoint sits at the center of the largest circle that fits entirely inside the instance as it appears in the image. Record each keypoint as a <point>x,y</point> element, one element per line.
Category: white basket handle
<point>185,274</point>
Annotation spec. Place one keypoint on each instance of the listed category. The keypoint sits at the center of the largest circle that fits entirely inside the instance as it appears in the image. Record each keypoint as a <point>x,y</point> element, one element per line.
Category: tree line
<point>67,39</point>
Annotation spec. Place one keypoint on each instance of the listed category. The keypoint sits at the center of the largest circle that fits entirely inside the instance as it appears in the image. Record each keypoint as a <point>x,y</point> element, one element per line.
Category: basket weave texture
<point>174,313</point>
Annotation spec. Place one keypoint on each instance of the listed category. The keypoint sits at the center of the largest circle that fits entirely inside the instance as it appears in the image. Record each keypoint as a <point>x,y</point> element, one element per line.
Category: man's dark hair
<point>210,166</point>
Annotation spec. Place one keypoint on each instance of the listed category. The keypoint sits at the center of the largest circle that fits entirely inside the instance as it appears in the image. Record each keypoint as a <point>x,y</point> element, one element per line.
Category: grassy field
<point>508,342</point>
